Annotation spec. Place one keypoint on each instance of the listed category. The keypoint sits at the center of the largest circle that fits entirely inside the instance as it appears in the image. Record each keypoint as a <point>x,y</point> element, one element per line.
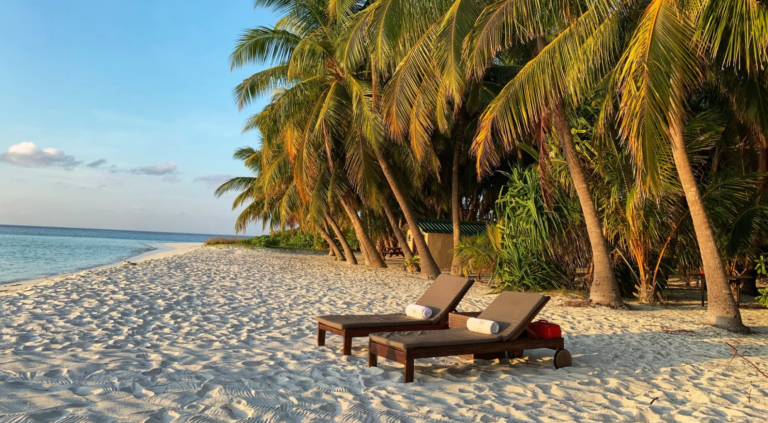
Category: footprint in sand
<point>56,373</point>
<point>154,372</point>
<point>163,416</point>
<point>137,391</point>
<point>85,391</point>
<point>240,409</point>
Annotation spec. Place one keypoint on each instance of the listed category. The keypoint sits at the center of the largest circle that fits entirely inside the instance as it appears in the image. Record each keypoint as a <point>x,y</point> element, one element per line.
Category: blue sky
<point>119,114</point>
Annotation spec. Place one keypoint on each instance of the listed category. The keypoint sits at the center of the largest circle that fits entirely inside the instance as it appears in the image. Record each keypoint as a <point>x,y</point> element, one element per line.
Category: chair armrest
<point>458,320</point>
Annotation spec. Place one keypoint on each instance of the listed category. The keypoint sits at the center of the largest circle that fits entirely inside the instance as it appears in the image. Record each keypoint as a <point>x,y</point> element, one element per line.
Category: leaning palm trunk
<point>429,269</point>
<point>366,255</point>
<point>331,245</point>
<point>722,310</point>
<point>396,228</point>
<point>604,290</point>
<point>366,245</point>
<point>349,255</point>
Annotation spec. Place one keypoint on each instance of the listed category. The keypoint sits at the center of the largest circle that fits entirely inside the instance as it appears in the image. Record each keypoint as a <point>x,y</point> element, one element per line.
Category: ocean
<point>30,252</point>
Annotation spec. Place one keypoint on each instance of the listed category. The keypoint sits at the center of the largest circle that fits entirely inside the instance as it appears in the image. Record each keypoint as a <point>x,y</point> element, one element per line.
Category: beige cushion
<point>370,321</point>
<point>444,295</point>
<point>432,338</point>
<point>511,310</point>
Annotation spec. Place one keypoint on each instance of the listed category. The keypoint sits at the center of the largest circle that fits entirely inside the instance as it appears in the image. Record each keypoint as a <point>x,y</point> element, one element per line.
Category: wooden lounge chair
<point>513,311</point>
<point>442,297</point>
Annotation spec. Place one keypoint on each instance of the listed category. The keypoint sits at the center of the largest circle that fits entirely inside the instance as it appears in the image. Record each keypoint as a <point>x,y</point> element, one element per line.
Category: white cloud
<point>27,154</point>
<point>167,168</point>
<point>213,181</point>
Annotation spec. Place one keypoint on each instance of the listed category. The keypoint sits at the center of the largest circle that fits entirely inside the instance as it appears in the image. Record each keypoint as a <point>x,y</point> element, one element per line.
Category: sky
<point>119,114</point>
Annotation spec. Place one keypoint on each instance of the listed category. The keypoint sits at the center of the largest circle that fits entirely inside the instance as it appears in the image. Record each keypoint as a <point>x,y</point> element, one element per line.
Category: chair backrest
<point>444,295</point>
<point>513,311</point>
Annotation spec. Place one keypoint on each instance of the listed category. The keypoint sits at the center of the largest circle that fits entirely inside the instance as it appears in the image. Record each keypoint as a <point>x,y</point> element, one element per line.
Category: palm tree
<point>393,34</point>
<point>322,114</point>
<point>661,65</point>
<point>566,68</point>
<point>415,52</point>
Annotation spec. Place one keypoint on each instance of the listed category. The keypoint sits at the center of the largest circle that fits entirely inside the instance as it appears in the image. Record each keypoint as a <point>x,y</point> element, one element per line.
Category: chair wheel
<point>563,359</point>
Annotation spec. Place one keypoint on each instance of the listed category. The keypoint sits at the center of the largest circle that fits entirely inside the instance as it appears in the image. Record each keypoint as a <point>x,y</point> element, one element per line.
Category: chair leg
<point>320,337</point>
<point>346,348</point>
<point>408,376</point>
<point>372,359</point>
<point>515,354</point>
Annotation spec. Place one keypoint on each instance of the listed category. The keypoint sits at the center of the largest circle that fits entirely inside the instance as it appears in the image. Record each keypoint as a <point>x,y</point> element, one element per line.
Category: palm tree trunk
<point>349,255</point>
<point>332,245</point>
<point>429,269</point>
<point>366,245</point>
<point>366,255</point>
<point>604,290</point>
<point>472,215</point>
<point>396,229</point>
<point>722,310</point>
<point>455,198</point>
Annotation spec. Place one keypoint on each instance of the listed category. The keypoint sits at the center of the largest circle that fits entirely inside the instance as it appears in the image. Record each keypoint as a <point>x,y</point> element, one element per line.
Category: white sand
<point>226,334</point>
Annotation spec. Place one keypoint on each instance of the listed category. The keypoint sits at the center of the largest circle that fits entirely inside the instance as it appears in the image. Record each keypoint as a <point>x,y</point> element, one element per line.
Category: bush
<point>763,298</point>
<point>527,229</point>
<point>223,241</point>
<point>284,239</point>
<point>524,270</point>
<point>298,240</point>
<point>264,241</point>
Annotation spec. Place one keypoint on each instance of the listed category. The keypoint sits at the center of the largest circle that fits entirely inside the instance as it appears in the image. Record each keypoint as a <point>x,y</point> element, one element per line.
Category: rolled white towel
<point>488,327</point>
<point>418,312</point>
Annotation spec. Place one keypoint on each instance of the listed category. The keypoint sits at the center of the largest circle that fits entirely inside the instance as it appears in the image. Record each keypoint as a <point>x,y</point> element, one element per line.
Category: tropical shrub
<point>223,241</point>
<point>289,240</point>
<point>524,270</point>
<point>479,255</point>
<point>264,241</point>
<point>528,231</point>
<point>411,265</point>
<point>763,297</point>
<point>761,266</point>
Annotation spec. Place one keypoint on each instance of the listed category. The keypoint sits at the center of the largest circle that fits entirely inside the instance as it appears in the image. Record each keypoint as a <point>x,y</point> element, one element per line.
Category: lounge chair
<point>442,297</point>
<point>513,311</point>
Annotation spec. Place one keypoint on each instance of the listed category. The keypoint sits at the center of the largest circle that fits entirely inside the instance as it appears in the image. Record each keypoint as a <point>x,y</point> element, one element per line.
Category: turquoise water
<point>29,252</point>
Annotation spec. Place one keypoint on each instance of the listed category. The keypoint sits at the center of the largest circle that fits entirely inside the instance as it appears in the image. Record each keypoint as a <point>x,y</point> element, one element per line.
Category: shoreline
<point>159,250</point>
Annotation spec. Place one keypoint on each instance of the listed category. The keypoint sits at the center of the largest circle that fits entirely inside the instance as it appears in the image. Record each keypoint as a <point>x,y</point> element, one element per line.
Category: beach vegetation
<point>221,240</point>
<point>288,240</point>
<point>610,144</point>
<point>263,241</point>
<point>479,255</point>
<point>411,264</point>
<point>763,297</point>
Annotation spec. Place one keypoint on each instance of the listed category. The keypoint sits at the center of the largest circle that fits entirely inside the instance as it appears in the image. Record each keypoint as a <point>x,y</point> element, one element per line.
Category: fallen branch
<point>653,400</point>
<point>667,329</point>
<point>736,353</point>
<point>576,303</point>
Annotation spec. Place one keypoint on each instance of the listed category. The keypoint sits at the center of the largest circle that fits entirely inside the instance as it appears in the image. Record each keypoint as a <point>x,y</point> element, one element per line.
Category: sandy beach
<point>228,334</point>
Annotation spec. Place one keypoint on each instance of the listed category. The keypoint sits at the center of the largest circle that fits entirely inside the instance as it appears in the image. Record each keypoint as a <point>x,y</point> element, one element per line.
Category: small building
<point>439,237</point>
